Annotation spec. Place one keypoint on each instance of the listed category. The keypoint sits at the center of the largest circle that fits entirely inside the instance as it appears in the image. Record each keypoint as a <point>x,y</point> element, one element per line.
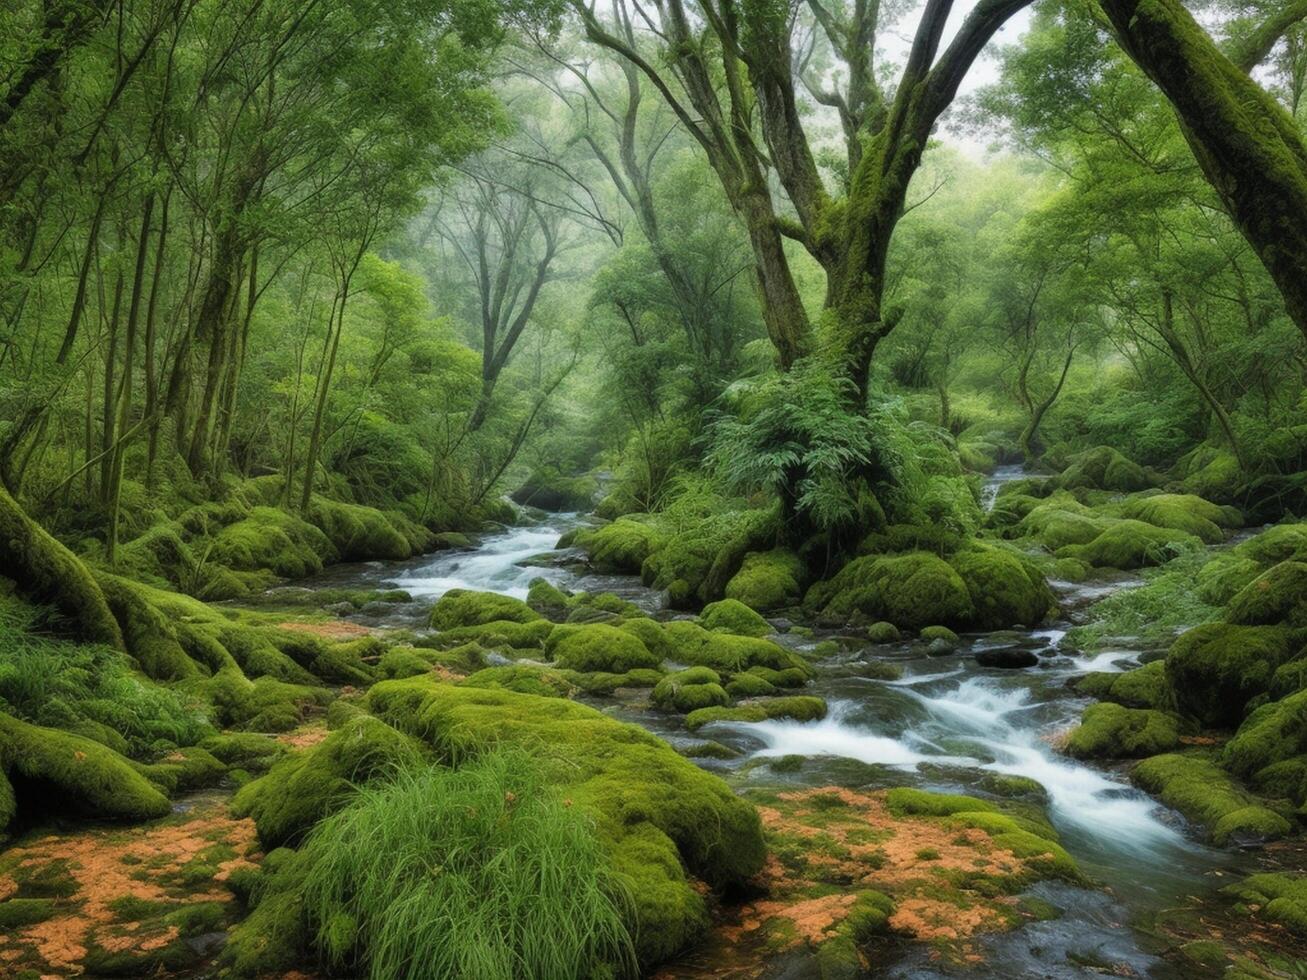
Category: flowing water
<point>945,724</point>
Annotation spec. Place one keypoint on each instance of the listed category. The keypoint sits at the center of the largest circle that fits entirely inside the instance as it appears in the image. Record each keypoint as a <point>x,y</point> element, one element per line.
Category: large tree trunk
<point>49,573</point>
<point>1248,147</point>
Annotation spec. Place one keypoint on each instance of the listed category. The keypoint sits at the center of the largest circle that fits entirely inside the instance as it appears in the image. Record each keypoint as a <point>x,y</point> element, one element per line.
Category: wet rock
<point>1008,658</point>
<point>940,647</point>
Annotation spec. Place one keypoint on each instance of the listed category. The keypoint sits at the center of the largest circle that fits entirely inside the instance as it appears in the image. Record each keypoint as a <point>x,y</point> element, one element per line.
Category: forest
<point>507,489</point>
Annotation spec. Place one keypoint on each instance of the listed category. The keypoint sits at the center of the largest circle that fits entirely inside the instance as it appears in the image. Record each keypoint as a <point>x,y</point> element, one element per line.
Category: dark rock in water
<point>941,648</point>
<point>1010,659</point>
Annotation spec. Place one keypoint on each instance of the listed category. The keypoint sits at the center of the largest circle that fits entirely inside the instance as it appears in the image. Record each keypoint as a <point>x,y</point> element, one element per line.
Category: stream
<point>945,725</point>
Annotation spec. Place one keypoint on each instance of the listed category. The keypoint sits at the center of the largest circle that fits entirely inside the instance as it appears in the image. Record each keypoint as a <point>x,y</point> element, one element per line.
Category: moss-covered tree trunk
<point>1249,148</point>
<point>50,574</point>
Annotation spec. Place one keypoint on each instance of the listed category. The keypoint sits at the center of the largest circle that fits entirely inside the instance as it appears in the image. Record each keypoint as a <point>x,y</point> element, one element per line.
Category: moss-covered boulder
<point>466,607</point>
<point>1216,669</point>
<point>1184,512</point>
<point>1143,687</point>
<point>303,788</point>
<point>598,646</point>
<point>1211,473</point>
<point>727,653</point>
<point>524,679</point>
<point>622,546</point>
<point>548,489</point>
<point>360,533</point>
<point>795,708</point>
<point>1205,793</point>
<point>694,564</point>
<point>662,820</point>
<point>910,590</point>
<point>272,539</point>
<point>1222,577</point>
<point>1110,731</point>
<point>689,690</point>
<point>1276,597</point>
<point>768,580</point>
<point>1059,521</point>
<point>1006,589</point>
<point>1104,468</point>
<point>498,634</point>
<point>1131,544</point>
<point>548,600</point>
<point>47,771</point>
<point>733,616</point>
<point>1273,733</point>
<point>1277,897</point>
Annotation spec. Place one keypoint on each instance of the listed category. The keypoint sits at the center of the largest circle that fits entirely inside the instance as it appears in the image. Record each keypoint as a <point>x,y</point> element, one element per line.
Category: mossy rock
<point>547,489</point>
<point>689,690</point>
<point>263,704</point>
<point>1283,542</point>
<point>622,546</point>
<point>1279,897</point>
<point>1110,731</point>
<point>303,788</point>
<point>768,580</point>
<point>183,770</point>
<point>1061,520</point>
<point>883,632</point>
<point>1207,795</point>
<point>524,679</point>
<point>597,647</point>
<point>1221,579</point>
<point>272,539</point>
<point>1214,670</point>
<point>794,708</point>
<point>499,634</point>
<point>932,633</point>
<point>466,607</point>
<point>1104,468</point>
<point>1276,597</point>
<point>733,616</point>
<point>1129,545</point>
<point>910,590</point>
<point>600,607</point>
<point>729,654</point>
<point>694,564</point>
<point>1184,512</point>
<point>661,818</point>
<point>748,685</point>
<point>548,600</point>
<point>1006,589</point>
<point>1273,733</point>
<point>360,533</point>
<point>1212,474</point>
<point>1143,687</point>
<point>50,770</point>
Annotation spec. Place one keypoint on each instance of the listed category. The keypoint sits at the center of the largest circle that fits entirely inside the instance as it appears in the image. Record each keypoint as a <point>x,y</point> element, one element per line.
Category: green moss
<point>1061,520</point>
<point>1280,898</point>
<point>730,654</point>
<point>748,685</point>
<point>547,599</point>
<point>1204,793</point>
<point>359,533</point>
<point>1109,731</point>
<point>906,801</point>
<point>689,690</point>
<point>1276,597</point>
<point>1143,687</point>
<point>932,633</point>
<point>651,634</point>
<point>911,590</point>
<point>1273,733</point>
<point>657,814</point>
<point>19,912</point>
<point>47,768</point>
<point>602,682</point>
<point>622,546</point>
<point>303,788</point>
<point>183,770</point>
<point>465,607</point>
<point>246,750</point>
<point>399,662</point>
<point>1283,542</point>
<point>768,580</point>
<point>275,540</point>
<point>733,616</point>
<point>523,679</point>
<point>597,646</point>
<point>1131,544</point>
<point>49,574</point>
<point>794,708</point>
<point>1103,468</point>
<point>499,633</point>
<point>1184,512</point>
<point>1212,474</point>
<point>548,489</point>
<point>601,607</point>
<point>1216,669</point>
<point>883,632</point>
<point>694,564</point>
<point>148,634</point>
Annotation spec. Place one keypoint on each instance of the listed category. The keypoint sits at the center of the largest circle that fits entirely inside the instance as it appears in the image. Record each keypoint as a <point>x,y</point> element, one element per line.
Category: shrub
<point>480,871</point>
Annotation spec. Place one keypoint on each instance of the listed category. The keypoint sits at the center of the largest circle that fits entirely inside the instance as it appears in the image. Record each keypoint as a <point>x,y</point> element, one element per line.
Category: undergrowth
<point>1155,612</point>
<point>59,684</point>
<point>479,871</point>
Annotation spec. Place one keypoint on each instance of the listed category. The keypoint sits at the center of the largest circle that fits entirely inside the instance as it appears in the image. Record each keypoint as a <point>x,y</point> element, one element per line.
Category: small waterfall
<point>492,567</point>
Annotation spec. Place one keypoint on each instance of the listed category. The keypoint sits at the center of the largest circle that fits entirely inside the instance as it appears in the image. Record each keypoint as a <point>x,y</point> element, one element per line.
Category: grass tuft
<point>479,871</point>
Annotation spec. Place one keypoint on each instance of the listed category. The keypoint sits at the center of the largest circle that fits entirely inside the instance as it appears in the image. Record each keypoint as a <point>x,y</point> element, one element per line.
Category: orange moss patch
<point>827,845</point>
<point>304,737</point>
<point>336,629</point>
<point>179,860</point>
